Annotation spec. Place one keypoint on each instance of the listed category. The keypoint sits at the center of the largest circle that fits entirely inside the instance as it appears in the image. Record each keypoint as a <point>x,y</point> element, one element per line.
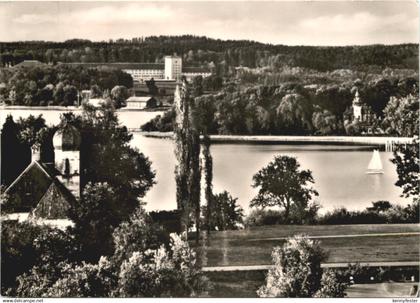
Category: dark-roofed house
<point>141,102</point>
<point>47,190</point>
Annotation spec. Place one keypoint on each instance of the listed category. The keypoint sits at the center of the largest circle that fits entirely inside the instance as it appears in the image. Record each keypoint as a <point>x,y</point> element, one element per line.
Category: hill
<point>222,55</point>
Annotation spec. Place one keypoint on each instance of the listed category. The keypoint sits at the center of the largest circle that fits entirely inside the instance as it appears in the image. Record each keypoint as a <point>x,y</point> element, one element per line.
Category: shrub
<point>226,214</point>
<point>85,280</point>
<point>297,272</point>
<point>24,245</point>
<point>138,233</point>
<point>331,286</point>
<point>259,217</point>
<point>172,272</point>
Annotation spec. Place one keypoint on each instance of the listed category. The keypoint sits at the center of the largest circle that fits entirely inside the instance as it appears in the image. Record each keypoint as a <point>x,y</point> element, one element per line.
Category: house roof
<point>193,69</point>
<point>38,186</point>
<point>139,99</point>
<point>119,65</point>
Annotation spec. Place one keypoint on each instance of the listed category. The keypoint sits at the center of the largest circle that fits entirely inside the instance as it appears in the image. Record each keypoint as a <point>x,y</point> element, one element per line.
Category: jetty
<point>388,143</point>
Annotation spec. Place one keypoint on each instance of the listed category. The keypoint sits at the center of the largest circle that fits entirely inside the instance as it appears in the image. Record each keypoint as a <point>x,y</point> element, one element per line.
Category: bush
<point>169,220</point>
<point>85,280</point>
<point>382,212</point>
<point>226,214</point>
<point>331,286</point>
<point>259,217</point>
<point>137,234</point>
<point>297,272</point>
<point>161,273</point>
<point>24,245</point>
<point>160,123</point>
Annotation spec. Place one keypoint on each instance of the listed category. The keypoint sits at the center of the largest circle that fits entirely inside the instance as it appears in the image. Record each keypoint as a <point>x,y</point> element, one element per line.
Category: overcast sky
<point>291,23</point>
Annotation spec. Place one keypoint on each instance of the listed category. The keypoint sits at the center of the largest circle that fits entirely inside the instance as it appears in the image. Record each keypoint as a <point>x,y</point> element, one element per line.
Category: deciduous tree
<point>282,183</point>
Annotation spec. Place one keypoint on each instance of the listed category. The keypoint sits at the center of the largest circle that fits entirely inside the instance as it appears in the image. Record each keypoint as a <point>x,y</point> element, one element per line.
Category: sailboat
<point>375,164</point>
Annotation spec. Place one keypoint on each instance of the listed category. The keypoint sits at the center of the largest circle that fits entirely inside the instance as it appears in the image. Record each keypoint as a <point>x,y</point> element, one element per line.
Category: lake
<point>339,171</point>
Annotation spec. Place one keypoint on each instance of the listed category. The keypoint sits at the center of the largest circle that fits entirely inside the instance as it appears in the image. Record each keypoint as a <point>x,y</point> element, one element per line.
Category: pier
<point>388,143</point>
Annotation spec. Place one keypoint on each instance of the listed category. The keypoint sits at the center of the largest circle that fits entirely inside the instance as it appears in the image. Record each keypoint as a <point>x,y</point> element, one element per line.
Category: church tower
<point>357,107</point>
<point>66,143</point>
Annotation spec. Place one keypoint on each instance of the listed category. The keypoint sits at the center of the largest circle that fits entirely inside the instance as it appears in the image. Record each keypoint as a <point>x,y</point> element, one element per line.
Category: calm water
<point>339,171</point>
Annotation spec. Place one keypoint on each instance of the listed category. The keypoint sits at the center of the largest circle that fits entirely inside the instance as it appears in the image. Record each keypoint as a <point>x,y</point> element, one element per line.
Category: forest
<point>292,108</point>
<point>222,55</point>
<point>256,88</point>
<point>56,85</point>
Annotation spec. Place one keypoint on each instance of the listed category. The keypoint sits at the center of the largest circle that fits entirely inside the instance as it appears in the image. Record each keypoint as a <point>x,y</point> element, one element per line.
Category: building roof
<point>193,69</point>
<point>38,190</point>
<point>119,65</point>
<point>29,63</point>
<point>139,99</point>
<point>96,102</point>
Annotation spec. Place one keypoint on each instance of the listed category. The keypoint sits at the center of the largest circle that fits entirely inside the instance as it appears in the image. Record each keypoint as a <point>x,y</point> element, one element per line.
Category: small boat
<point>375,164</point>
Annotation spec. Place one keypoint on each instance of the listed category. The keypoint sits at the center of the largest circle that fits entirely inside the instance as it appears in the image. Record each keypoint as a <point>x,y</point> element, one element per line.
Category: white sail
<point>375,164</point>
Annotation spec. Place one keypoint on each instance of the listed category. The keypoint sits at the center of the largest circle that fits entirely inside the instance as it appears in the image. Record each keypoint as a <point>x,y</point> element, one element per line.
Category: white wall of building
<point>173,68</point>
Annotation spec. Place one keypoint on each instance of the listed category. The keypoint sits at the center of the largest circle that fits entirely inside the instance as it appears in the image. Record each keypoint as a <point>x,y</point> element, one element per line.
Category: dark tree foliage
<point>151,86</point>
<point>118,174</point>
<point>24,245</point>
<point>56,85</point>
<point>15,155</point>
<point>17,138</point>
<point>294,109</point>
<point>281,183</point>
<point>224,213</point>
<point>187,152</point>
<point>219,55</point>
<point>406,159</point>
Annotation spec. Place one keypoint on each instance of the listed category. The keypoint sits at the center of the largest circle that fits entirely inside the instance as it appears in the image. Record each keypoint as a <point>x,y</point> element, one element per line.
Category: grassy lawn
<point>246,284</point>
<point>254,246</point>
<point>380,290</point>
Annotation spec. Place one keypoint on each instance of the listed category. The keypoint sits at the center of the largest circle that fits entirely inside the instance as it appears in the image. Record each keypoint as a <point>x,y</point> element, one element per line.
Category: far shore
<point>336,140</point>
<point>76,108</point>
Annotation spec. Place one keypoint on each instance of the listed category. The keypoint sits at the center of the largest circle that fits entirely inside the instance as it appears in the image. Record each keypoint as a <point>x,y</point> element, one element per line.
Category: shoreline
<point>78,109</point>
<point>268,139</point>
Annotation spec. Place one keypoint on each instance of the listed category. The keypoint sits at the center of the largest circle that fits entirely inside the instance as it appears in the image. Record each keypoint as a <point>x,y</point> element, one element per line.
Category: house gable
<point>29,187</point>
<point>55,203</point>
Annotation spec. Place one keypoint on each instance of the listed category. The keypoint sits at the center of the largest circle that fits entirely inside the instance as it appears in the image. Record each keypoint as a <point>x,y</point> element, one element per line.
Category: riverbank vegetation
<point>381,212</point>
<point>291,108</point>
<point>59,85</point>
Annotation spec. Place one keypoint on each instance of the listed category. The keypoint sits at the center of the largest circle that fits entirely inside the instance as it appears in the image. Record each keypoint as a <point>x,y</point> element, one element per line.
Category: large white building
<point>171,70</point>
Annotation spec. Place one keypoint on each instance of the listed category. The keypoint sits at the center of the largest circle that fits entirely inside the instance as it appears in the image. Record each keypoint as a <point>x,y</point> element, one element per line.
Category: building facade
<point>171,70</point>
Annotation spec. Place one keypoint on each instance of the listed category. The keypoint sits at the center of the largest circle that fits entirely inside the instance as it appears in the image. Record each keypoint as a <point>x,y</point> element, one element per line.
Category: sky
<point>281,22</point>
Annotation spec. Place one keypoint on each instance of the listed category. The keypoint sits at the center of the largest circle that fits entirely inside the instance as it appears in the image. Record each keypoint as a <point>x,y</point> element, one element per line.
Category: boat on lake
<point>375,164</point>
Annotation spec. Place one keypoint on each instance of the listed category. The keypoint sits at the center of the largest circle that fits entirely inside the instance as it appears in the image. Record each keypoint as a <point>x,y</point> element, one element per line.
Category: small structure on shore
<point>141,102</point>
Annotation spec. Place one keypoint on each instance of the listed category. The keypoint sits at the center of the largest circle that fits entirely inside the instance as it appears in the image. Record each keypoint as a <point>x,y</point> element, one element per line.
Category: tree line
<point>57,85</point>
<point>292,108</point>
<point>222,55</point>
